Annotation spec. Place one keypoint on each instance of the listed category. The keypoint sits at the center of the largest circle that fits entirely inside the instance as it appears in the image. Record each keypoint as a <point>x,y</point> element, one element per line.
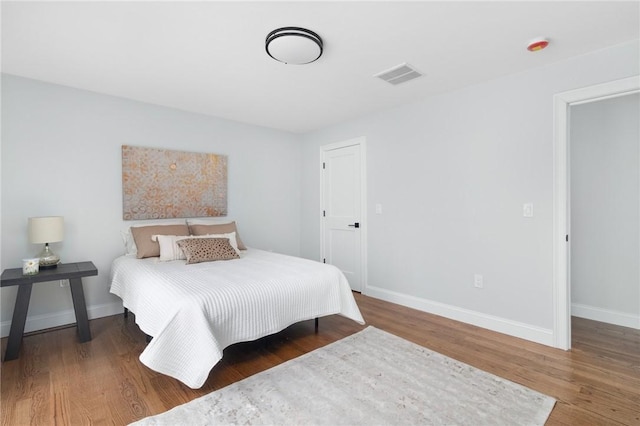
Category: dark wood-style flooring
<point>57,380</point>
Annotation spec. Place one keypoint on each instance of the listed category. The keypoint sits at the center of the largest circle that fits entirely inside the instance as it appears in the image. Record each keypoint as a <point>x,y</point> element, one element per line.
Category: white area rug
<point>370,378</point>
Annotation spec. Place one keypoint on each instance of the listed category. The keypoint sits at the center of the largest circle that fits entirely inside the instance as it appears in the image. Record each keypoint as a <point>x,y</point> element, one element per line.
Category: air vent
<point>399,74</point>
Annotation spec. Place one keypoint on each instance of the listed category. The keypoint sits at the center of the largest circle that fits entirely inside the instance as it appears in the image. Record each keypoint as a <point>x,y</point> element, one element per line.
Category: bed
<point>194,311</point>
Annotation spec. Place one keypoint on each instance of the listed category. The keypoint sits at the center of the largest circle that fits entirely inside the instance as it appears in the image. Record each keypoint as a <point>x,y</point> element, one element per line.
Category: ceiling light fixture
<point>293,45</point>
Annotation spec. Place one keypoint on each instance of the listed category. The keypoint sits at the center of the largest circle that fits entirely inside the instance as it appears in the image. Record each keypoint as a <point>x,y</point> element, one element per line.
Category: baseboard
<point>605,315</point>
<point>501,325</point>
<point>56,319</point>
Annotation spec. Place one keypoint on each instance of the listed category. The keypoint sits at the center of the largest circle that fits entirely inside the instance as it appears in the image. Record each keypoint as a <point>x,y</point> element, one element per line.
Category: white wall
<point>452,173</point>
<point>61,155</point>
<point>605,216</point>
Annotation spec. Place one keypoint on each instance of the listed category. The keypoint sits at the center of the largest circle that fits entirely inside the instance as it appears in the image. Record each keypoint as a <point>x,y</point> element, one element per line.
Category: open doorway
<point>561,218</point>
<point>604,200</point>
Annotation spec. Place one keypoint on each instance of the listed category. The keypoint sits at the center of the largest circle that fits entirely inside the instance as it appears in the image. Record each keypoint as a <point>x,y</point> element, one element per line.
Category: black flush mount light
<point>293,45</point>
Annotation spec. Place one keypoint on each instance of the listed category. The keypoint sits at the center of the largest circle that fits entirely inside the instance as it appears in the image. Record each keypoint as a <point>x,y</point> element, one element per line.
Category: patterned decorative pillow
<point>169,249</point>
<point>199,250</point>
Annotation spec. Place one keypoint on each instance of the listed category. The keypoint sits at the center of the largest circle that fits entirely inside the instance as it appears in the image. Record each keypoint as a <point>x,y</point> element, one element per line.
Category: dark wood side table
<point>65,271</point>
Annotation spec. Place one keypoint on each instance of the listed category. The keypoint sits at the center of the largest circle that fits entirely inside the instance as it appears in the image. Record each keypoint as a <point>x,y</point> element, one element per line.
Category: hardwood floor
<point>57,380</point>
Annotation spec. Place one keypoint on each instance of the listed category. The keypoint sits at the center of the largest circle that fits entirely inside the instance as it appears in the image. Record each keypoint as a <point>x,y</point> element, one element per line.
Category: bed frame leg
<point>147,338</point>
<point>316,324</point>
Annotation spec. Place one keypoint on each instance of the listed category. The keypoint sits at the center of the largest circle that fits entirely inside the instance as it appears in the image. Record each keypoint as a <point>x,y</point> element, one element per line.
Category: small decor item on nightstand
<point>30,266</point>
<point>45,230</point>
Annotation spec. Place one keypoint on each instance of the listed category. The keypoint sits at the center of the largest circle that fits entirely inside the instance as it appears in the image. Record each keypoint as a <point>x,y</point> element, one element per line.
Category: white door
<point>343,208</point>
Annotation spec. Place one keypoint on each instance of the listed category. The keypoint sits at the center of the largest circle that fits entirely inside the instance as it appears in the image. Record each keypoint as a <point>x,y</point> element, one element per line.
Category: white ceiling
<point>209,57</point>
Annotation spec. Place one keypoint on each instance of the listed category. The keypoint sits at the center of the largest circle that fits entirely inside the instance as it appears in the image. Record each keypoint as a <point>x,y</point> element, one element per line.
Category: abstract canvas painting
<point>159,183</point>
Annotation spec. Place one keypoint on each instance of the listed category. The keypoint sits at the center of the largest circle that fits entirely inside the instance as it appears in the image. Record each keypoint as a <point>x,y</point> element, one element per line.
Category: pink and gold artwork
<point>158,184</point>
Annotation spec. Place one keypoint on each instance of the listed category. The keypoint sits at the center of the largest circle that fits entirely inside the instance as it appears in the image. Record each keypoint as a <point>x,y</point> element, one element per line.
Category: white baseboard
<point>56,319</point>
<point>605,315</point>
<point>501,325</point>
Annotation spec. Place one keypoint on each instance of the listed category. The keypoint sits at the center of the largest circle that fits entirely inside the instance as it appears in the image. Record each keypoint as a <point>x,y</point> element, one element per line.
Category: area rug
<point>369,378</point>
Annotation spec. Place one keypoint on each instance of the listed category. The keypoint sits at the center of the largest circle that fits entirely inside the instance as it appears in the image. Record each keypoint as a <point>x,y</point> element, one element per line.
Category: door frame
<point>362,142</point>
<point>561,193</point>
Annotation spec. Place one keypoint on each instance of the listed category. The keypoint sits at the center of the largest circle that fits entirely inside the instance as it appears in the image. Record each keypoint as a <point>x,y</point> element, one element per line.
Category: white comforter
<point>194,311</point>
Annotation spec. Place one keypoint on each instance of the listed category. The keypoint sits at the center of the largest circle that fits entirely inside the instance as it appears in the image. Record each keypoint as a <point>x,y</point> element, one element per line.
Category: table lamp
<point>45,230</point>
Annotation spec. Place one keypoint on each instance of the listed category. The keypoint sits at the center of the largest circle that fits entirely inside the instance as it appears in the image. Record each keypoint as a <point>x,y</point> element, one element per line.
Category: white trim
<point>362,142</point>
<point>606,315</point>
<point>56,319</point>
<point>561,224</point>
<point>498,324</point>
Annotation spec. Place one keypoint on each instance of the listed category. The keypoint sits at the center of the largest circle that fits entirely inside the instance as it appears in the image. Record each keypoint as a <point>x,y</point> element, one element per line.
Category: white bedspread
<point>194,311</point>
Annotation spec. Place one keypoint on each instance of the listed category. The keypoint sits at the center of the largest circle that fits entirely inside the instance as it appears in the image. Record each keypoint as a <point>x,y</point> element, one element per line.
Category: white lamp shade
<point>48,229</point>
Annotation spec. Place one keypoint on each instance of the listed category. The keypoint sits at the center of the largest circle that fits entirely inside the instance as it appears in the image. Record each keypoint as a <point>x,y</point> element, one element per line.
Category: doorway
<point>604,194</point>
<point>561,220</point>
<point>343,205</point>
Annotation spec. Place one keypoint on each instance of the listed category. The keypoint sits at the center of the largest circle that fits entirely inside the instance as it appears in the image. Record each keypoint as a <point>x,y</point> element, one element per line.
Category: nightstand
<point>64,271</point>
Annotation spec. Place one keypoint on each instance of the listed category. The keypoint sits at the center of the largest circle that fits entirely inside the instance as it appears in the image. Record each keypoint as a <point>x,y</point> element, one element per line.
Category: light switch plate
<point>478,281</point>
<point>527,210</point>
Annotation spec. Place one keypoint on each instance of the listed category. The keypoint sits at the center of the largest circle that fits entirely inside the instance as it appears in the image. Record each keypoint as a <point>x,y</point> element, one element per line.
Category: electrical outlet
<point>478,281</point>
<point>64,283</point>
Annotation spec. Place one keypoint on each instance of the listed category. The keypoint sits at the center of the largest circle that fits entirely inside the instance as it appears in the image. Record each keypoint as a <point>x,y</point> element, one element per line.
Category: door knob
<point>355,225</point>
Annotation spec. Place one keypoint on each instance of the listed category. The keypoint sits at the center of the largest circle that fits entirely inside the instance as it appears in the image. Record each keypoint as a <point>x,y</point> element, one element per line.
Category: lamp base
<point>55,265</point>
<point>47,258</point>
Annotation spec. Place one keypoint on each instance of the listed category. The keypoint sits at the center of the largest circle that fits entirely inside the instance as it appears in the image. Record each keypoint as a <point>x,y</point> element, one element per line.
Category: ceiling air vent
<point>398,74</point>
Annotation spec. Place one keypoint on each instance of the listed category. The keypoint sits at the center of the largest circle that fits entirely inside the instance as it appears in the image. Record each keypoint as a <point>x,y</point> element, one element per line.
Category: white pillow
<point>169,249</point>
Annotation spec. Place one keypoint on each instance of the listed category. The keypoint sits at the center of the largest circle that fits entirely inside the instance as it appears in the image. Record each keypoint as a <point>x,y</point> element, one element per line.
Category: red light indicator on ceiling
<point>537,44</point>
